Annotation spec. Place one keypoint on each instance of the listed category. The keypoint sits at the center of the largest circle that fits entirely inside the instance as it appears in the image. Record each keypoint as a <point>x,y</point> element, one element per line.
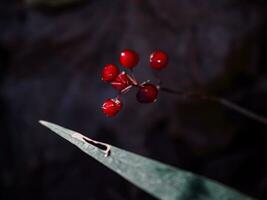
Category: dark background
<point>51,56</point>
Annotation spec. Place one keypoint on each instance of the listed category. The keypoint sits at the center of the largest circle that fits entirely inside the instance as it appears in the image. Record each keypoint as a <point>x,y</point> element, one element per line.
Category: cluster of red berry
<point>123,82</point>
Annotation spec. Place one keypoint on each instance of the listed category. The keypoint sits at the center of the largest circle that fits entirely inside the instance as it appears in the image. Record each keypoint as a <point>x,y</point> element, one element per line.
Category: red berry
<point>147,93</point>
<point>129,58</point>
<point>121,82</point>
<point>118,103</point>
<point>111,107</point>
<point>158,60</point>
<point>110,72</point>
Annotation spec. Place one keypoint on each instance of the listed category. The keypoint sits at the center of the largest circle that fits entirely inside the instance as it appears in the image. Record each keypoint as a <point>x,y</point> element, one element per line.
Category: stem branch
<point>229,104</point>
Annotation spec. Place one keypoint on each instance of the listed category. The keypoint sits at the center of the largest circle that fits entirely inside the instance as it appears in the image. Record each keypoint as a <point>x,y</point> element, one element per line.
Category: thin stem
<point>156,75</point>
<point>229,104</point>
<point>132,77</point>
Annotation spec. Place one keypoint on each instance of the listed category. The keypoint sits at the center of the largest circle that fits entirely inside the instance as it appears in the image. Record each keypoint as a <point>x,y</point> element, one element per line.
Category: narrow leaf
<point>160,180</point>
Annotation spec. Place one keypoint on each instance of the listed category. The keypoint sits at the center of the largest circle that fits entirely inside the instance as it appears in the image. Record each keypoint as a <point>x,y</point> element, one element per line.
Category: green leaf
<point>160,180</point>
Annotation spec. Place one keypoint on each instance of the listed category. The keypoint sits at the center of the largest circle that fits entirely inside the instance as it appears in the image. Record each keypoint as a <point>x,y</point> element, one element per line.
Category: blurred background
<point>51,56</point>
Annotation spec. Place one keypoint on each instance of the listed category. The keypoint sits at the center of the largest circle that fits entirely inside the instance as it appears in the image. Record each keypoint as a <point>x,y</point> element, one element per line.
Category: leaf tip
<point>44,123</point>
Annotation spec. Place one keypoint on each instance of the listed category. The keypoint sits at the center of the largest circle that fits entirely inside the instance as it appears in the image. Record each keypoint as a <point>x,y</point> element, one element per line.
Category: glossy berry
<point>147,93</point>
<point>121,82</point>
<point>111,107</point>
<point>129,58</point>
<point>158,60</point>
<point>110,72</point>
